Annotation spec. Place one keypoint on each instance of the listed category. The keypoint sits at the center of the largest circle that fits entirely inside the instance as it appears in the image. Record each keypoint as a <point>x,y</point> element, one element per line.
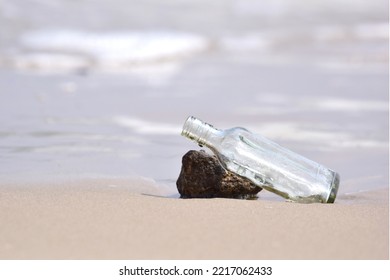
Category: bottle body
<point>266,163</point>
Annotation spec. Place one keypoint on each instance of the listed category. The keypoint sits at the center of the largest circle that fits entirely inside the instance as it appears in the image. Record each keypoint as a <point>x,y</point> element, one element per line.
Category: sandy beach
<point>89,221</point>
<point>94,94</point>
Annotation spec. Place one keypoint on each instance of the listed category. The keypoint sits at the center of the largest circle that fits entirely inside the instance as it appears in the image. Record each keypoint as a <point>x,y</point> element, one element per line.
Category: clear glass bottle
<point>266,163</point>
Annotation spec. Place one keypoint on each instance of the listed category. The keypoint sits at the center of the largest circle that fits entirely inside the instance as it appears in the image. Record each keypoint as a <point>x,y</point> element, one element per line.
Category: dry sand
<point>80,221</point>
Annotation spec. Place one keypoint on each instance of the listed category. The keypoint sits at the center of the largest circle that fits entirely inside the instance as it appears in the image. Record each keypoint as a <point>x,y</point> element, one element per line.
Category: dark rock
<point>202,176</point>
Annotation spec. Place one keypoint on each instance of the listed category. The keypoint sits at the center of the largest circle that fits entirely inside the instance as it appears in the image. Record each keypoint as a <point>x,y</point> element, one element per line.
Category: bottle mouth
<point>197,130</point>
<point>334,188</point>
<point>190,128</point>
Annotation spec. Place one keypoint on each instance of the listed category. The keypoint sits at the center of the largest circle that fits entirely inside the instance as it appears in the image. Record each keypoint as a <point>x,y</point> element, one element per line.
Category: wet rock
<point>202,176</point>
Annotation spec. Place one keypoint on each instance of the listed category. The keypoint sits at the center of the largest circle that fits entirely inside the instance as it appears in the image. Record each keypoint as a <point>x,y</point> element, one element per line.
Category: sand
<point>87,221</point>
<point>101,89</point>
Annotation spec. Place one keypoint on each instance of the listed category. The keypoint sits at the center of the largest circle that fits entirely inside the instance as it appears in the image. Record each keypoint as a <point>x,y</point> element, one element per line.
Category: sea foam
<point>68,49</point>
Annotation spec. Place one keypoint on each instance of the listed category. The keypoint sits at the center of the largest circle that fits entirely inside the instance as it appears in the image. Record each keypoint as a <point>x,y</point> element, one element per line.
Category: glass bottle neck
<point>200,132</point>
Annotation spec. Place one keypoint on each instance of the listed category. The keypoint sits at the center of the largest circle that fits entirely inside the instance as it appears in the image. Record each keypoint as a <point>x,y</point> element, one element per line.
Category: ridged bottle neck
<point>200,132</point>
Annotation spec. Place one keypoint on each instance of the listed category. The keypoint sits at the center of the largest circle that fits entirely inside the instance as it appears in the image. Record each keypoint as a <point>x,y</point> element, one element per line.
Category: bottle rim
<point>334,188</point>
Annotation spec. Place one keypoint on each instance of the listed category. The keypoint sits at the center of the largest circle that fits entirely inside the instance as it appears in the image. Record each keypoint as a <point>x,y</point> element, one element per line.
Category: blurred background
<point>100,89</point>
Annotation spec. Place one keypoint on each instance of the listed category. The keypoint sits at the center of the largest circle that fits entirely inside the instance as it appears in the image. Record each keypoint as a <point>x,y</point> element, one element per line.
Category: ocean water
<point>101,89</point>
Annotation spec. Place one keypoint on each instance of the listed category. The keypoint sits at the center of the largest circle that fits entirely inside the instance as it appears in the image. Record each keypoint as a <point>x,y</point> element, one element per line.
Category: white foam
<point>116,48</point>
<point>274,102</point>
<point>323,139</point>
<point>67,149</point>
<point>146,127</point>
<point>351,105</point>
<point>49,61</point>
<point>152,56</point>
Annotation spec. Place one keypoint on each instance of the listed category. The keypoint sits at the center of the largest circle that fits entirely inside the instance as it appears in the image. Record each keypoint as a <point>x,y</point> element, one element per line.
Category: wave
<point>73,49</point>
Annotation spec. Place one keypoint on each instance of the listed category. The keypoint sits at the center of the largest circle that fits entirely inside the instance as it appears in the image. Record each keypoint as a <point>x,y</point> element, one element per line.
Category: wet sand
<point>85,220</point>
